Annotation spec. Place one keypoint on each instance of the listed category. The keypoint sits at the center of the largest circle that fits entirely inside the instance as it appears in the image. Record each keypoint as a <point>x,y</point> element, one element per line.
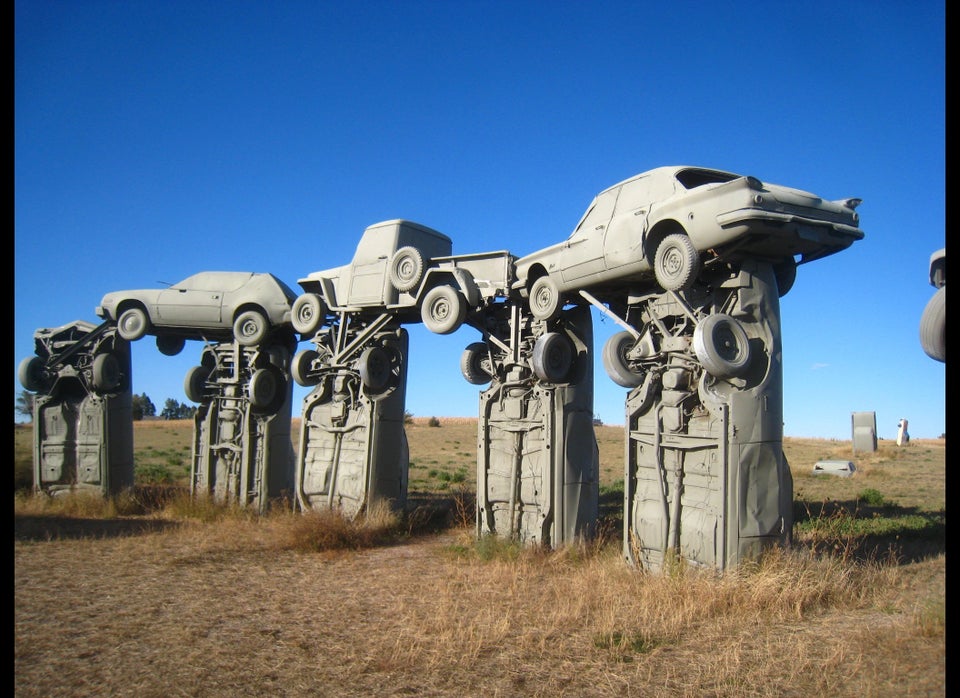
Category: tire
<point>545,300</point>
<point>194,383</point>
<point>406,268</point>
<point>268,388</point>
<point>443,309</point>
<point>475,364</point>
<point>933,326</point>
<point>375,369</point>
<point>106,373</point>
<point>615,360</point>
<point>785,273</point>
<point>308,314</point>
<point>552,357</point>
<point>170,345</point>
<point>677,263</point>
<point>250,328</point>
<point>722,346</point>
<point>133,323</point>
<point>31,374</point>
<point>301,365</point>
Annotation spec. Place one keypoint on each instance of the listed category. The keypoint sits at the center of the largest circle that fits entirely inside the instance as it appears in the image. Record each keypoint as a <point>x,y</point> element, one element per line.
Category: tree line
<point>142,407</point>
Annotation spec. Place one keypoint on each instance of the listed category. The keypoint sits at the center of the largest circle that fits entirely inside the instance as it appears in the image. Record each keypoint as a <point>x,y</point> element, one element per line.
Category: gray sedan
<point>662,227</point>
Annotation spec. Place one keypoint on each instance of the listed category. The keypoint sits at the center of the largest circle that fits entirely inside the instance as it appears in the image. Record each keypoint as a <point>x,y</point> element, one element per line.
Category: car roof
<point>689,175</point>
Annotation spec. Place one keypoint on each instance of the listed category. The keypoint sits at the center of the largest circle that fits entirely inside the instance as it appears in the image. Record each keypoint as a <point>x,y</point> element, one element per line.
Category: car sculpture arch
<point>689,261</point>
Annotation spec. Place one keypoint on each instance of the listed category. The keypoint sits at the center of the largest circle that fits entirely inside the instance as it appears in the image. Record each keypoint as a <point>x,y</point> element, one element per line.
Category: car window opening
<point>693,178</point>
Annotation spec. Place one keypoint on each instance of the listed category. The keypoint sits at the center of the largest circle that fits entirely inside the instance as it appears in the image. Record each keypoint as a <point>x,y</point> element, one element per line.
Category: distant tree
<point>177,410</point>
<point>24,404</point>
<point>171,409</point>
<point>143,407</point>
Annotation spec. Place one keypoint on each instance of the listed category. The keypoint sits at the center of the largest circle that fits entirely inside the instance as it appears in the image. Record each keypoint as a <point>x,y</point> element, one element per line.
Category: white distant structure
<point>903,437</point>
<point>864,431</point>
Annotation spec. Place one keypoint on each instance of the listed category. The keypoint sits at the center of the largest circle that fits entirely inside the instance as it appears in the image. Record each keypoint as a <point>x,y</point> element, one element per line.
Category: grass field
<point>177,599</point>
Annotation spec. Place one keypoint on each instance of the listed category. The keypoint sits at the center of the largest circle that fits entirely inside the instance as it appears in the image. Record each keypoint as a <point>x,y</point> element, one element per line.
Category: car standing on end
<point>933,321</point>
<point>210,305</point>
<point>665,225</point>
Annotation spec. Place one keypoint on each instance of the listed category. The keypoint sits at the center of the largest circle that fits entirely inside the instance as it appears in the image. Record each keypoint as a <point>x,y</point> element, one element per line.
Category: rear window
<point>694,177</point>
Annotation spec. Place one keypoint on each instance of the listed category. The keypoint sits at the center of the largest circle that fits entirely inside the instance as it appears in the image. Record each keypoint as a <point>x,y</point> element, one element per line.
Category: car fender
<point>459,278</point>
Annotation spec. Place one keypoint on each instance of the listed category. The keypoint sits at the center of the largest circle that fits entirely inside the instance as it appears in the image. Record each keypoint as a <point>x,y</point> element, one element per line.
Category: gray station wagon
<point>662,227</point>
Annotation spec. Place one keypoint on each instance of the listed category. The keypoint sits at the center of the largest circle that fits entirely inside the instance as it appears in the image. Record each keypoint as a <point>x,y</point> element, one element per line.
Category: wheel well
<point>127,305</point>
<point>656,236</point>
<point>250,306</point>
<point>433,278</point>
<point>535,272</point>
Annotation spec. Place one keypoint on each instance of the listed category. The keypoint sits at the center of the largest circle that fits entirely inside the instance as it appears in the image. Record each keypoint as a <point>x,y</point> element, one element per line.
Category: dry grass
<point>191,599</point>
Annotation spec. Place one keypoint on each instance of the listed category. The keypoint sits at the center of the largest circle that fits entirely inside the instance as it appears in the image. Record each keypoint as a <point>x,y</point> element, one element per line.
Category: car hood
<point>146,295</point>
<point>331,274</point>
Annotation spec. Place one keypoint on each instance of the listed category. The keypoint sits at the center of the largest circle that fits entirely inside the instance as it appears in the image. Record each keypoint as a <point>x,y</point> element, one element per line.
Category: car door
<point>624,244</point>
<point>194,302</point>
<point>582,254</point>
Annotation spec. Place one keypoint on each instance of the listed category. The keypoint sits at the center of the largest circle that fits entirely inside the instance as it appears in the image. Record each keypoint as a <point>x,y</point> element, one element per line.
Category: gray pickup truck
<point>404,269</point>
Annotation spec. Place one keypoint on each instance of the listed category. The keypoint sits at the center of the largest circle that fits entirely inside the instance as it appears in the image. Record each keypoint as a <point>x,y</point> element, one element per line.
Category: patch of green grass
<point>153,474</point>
<point>871,497</point>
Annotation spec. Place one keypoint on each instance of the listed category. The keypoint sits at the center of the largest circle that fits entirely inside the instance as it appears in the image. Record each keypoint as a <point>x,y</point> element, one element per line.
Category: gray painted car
<point>664,226</point>
<point>210,305</point>
<point>933,321</point>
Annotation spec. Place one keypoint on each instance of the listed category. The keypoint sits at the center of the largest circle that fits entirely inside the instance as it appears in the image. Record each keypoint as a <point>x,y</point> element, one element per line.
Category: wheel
<point>375,369</point>
<point>308,314</point>
<point>933,326</point>
<point>552,357</point>
<point>170,345</point>
<point>475,364</point>
<point>443,310</point>
<point>677,262</point>
<point>301,365</point>
<point>250,328</point>
<point>785,273</point>
<point>194,384</point>
<point>268,389</point>
<point>106,373</point>
<point>722,346</point>
<point>545,303</point>
<point>615,360</point>
<point>31,373</point>
<point>406,268</point>
<point>133,323</point>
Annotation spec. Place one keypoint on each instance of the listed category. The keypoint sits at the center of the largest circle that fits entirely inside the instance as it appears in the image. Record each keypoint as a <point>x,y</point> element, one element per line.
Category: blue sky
<point>154,140</point>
